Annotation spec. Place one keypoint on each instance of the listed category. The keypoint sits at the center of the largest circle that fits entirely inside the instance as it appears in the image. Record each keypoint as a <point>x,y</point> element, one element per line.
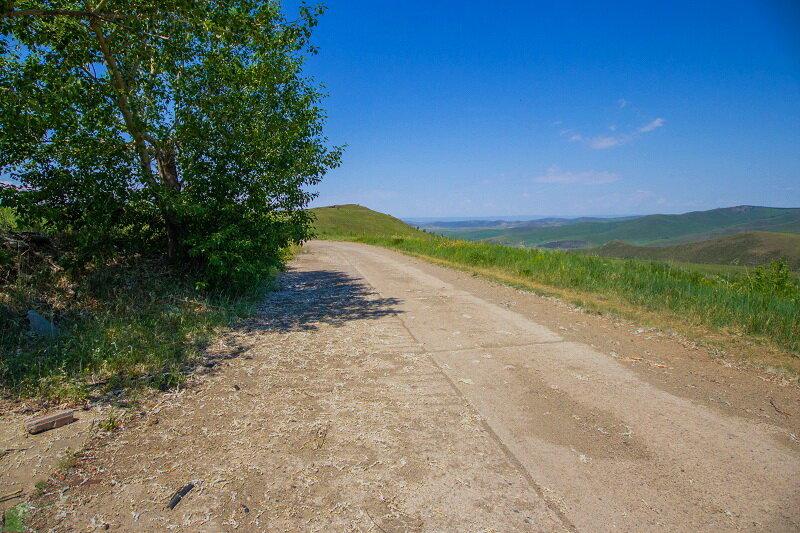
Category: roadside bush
<point>774,278</point>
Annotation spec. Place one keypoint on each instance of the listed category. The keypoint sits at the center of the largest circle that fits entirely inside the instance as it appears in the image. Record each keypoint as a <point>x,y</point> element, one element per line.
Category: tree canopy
<point>185,127</point>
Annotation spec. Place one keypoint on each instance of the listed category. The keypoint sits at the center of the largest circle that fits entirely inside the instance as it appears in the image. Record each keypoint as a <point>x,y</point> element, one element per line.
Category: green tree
<point>186,126</point>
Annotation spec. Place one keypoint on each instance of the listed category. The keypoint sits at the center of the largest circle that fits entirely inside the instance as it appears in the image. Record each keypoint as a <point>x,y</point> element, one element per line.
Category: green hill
<point>747,249</point>
<point>354,220</point>
<point>651,229</point>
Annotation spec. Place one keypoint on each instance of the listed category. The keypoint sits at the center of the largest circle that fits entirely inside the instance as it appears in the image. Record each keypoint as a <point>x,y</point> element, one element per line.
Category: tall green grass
<point>765,304</point>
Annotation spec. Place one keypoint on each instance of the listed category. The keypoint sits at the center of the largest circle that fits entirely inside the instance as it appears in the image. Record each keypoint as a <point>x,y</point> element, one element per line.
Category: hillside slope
<point>353,220</point>
<point>651,229</point>
<point>747,249</point>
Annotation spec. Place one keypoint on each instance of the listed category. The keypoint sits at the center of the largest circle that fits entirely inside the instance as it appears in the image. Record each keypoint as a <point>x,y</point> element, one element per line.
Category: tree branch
<point>121,89</point>
<point>11,12</point>
<point>89,75</point>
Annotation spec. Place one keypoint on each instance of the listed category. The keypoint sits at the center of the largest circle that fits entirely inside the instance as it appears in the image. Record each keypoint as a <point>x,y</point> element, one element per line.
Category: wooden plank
<point>50,421</point>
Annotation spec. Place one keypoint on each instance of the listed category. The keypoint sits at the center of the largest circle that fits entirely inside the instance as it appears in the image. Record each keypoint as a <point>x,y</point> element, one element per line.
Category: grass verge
<point>763,305</point>
<point>122,326</point>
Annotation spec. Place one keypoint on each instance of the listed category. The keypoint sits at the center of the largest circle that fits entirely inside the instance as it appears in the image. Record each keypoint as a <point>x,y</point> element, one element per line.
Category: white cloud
<point>618,138</point>
<point>650,126</point>
<point>556,175</point>
<point>601,142</point>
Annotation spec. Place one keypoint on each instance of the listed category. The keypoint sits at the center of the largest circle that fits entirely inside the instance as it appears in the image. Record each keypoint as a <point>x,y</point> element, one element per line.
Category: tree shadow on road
<point>305,299</point>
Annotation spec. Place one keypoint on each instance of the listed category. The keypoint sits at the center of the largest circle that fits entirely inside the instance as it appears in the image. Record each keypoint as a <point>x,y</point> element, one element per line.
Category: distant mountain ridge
<point>546,222</point>
<point>745,249</point>
<point>645,230</point>
<point>727,236</point>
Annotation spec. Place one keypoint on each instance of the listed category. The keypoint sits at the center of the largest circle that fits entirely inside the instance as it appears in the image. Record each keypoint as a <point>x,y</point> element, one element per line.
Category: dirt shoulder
<point>330,419</point>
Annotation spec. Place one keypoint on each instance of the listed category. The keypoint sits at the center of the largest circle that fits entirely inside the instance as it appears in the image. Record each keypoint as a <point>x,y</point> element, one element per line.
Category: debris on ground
<point>11,495</point>
<point>777,409</point>
<point>50,421</point>
<point>8,451</point>
<point>176,499</point>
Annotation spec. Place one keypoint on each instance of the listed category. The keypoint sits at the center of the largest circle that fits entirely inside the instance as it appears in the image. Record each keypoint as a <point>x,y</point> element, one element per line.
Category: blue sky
<point>453,108</point>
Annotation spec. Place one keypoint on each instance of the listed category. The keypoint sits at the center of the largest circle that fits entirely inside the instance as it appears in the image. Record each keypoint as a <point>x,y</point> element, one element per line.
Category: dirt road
<point>376,392</point>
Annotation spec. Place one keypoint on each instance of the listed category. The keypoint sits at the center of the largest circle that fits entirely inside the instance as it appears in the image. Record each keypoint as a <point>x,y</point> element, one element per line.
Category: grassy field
<point>764,304</point>
<point>744,249</point>
<point>350,220</point>
<point>651,229</point>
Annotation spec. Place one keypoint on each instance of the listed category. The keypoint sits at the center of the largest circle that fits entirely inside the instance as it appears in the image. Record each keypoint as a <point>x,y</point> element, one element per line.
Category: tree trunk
<point>176,228</point>
<point>168,169</point>
<point>175,232</point>
<point>165,157</point>
<point>132,125</point>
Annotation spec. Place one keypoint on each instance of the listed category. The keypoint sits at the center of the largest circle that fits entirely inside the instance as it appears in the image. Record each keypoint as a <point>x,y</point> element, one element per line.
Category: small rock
<point>40,325</point>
